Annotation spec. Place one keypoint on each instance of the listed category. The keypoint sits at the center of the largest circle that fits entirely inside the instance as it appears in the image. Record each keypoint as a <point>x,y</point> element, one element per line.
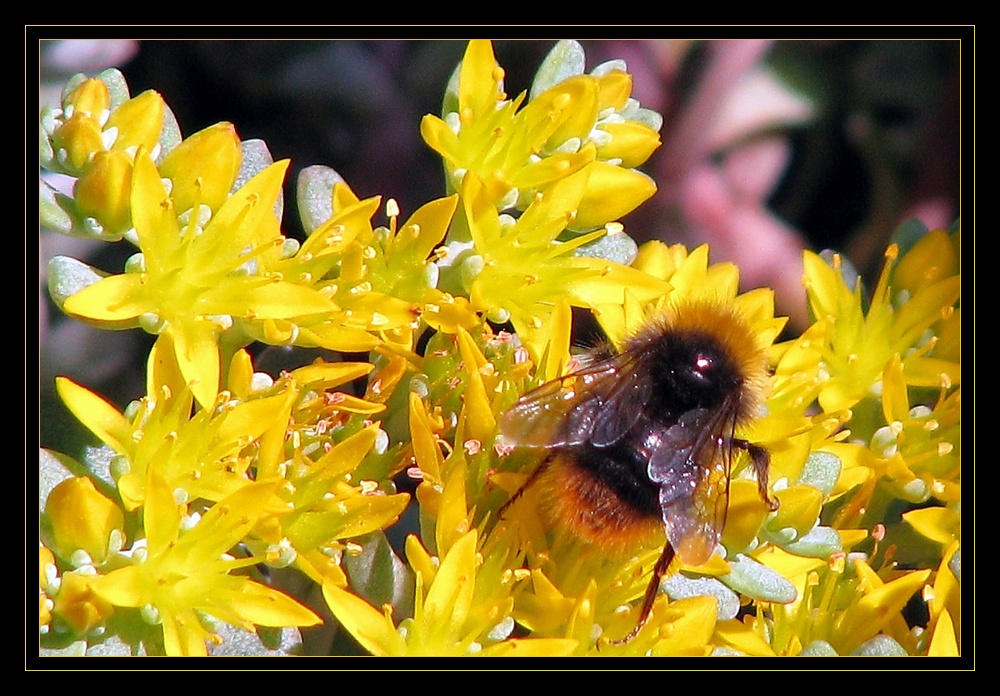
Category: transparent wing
<point>690,463</point>
<point>598,404</point>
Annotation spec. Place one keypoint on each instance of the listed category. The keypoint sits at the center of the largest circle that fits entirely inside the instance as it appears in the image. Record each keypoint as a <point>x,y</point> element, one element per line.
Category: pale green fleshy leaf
<point>955,564</point>
<point>117,86</point>
<point>618,247</point>
<point>115,646</point>
<point>821,470</point>
<point>651,118</point>
<point>256,158</point>
<point>266,642</point>
<point>818,648</point>
<point>565,60</point>
<point>449,102</point>
<point>313,194</point>
<point>53,469</point>
<point>170,134</point>
<point>51,214</point>
<point>819,542</point>
<point>755,580</point>
<point>908,233</point>
<point>880,646</point>
<point>67,276</point>
<point>46,156</point>
<point>681,586</point>
<point>378,575</point>
<point>609,66</point>
<point>75,649</point>
<point>72,83</point>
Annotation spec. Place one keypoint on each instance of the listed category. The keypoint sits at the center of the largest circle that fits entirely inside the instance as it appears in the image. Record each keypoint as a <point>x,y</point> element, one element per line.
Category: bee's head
<point>695,371</point>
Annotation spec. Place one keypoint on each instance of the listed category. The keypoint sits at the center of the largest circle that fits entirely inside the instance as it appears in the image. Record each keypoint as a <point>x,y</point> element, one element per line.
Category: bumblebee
<point>640,441</point>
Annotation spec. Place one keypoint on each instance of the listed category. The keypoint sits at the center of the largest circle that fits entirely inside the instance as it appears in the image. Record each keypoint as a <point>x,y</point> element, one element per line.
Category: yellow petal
<point>743,638</point>
<point>532,647</point>
<point>478,87</point>
<point>612,192</point>
<point>161,518</point>
<point>933,258</point>
<point>153,215</point>
<point>245,220</point>
<point>223,526</point>
<point>876,609</point>
<point>689,627</point>
<point>197,351</point>
<point>372,629</point>
<point>99,416</point>
<point>446,607</point>
<point>944,642</point>
<point>117,298</point>
<point>241,601</point>
<point>478,413</point>
<point>183,634</point>
<point>937,523</point>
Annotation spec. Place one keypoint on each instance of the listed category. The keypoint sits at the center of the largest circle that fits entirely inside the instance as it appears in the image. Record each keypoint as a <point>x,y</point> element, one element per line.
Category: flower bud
<point>79,137</point>
<point>631,142</point>
<point>139,121</point>
<point>90,98</point>
<point>78,605</point>
<point>104,191</point>
<point>203,167</point>
<point>82,518</point>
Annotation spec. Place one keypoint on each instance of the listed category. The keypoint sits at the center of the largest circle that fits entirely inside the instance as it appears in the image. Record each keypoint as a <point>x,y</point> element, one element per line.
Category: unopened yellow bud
<point>82,518</point>
<point>78,605</point>
<point>104,190</point>
<point>615,89</point>
<point>139,121</point>
<point>203,167</point>
<point>80,137</point>
<point>90,98</point>
<point>631,141</point>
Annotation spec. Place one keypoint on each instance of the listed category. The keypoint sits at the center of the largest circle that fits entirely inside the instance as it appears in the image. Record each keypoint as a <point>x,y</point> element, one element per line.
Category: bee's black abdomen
<point>622,469</point>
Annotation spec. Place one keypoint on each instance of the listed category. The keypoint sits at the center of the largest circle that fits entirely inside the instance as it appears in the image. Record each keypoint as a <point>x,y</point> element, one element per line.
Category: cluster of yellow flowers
<point>223,483</point>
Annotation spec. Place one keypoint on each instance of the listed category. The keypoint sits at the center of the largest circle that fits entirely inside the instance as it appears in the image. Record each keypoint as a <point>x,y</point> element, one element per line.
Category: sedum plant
<point>231,511</point>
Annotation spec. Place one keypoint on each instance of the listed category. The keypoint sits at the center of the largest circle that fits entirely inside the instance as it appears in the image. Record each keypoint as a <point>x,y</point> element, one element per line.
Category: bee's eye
<point>703,365</point>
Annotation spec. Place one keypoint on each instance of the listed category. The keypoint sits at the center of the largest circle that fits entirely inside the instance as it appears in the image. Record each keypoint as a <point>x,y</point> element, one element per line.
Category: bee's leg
<point>761,459</point>
<point>524,486</point>
<point>659,571</point>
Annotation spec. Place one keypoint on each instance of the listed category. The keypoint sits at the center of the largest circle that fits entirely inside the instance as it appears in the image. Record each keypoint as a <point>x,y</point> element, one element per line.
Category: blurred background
<point>769,148</point>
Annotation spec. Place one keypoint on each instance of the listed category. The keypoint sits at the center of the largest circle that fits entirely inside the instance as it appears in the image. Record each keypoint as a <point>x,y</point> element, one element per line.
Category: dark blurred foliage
<point>859,136</point>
